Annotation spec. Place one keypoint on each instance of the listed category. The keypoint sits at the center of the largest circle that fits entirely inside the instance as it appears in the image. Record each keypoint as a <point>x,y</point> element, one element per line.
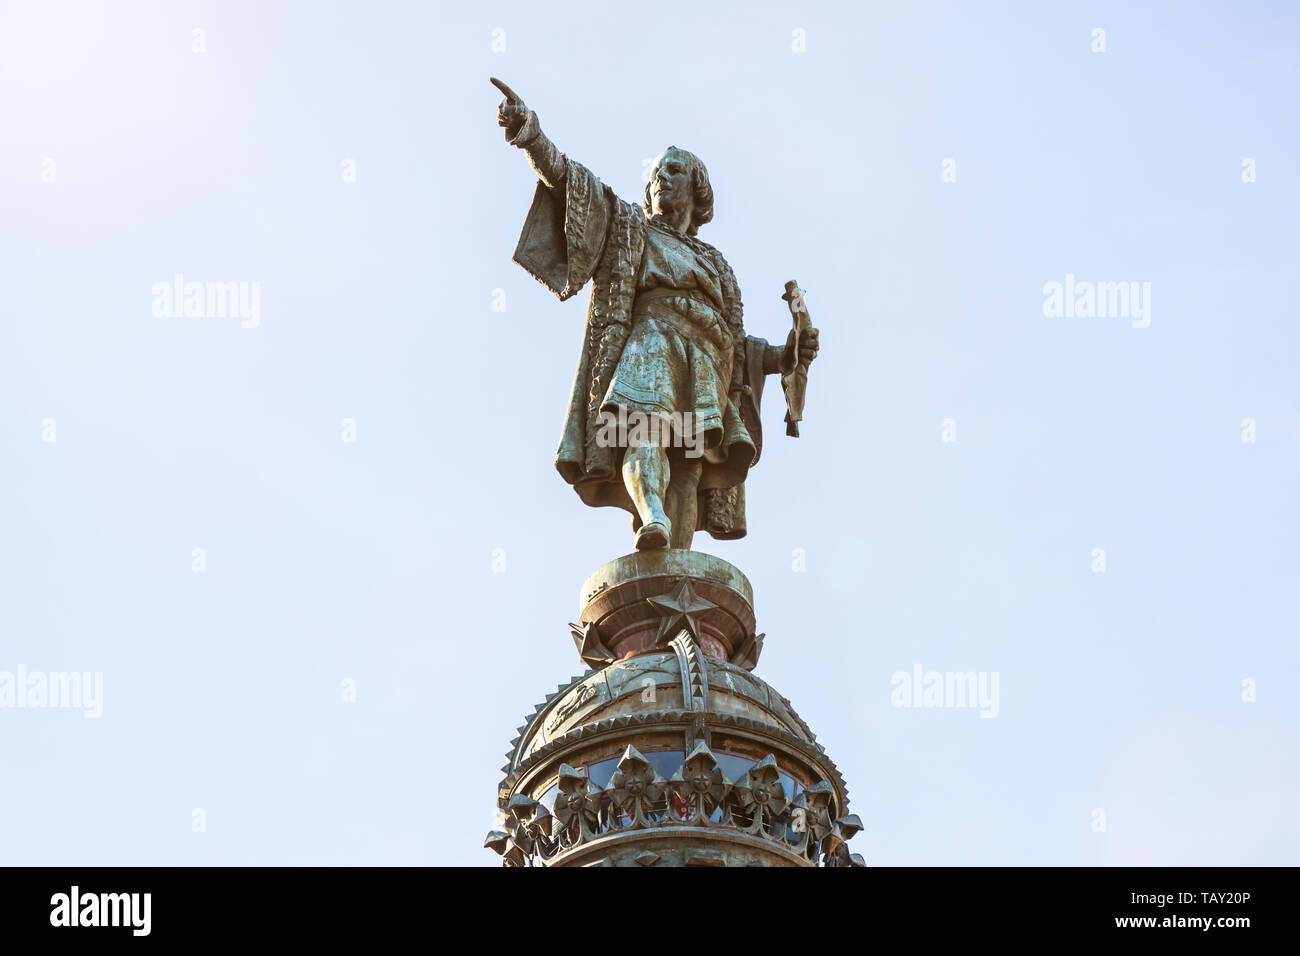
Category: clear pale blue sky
<point>372,561</point>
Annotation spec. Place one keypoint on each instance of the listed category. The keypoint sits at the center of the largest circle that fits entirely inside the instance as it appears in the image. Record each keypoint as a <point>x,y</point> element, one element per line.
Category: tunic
<point>677,361</point>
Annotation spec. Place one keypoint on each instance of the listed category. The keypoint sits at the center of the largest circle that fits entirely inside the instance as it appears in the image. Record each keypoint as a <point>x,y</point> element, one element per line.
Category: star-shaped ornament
<point>682,610</point>
<point>590,648</point>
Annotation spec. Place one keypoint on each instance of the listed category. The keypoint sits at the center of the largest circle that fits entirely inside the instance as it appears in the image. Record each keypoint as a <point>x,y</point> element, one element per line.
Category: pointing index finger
<point>510,94</point>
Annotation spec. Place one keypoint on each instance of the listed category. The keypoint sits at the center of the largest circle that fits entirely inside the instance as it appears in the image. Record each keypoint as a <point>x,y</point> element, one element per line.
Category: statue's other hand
<point>511,113</point>
<point>808,347</point>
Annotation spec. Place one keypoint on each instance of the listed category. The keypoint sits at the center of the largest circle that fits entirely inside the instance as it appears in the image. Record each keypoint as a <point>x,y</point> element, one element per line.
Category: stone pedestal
<point>669,751</point>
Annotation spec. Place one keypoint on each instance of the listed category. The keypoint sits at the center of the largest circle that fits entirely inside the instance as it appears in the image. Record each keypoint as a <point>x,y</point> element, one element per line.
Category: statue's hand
<point>807,348</point>
<point>512,113</point>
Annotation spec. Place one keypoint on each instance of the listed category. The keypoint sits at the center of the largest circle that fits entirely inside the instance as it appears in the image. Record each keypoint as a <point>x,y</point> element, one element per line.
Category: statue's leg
<point>646,475</point>
<point>683,499</point>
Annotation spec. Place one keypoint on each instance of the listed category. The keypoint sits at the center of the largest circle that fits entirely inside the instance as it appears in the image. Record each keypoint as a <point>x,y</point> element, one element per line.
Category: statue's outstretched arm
<point>523,130</point>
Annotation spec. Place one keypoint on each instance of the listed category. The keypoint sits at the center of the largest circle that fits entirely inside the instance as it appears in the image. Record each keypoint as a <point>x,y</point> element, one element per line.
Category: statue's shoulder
<point>702,246</point>
<point>718,259</point>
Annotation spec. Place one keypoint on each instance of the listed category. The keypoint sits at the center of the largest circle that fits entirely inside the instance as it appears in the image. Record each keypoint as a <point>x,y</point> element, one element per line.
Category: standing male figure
<point>665,341</point>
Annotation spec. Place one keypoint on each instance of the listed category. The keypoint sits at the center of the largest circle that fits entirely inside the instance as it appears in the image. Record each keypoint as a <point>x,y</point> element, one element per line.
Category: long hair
<point>701,191</point>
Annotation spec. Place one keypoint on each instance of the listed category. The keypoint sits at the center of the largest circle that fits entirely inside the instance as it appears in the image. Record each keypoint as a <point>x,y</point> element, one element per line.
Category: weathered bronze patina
<point>663,420</point>
<point>669,750</point>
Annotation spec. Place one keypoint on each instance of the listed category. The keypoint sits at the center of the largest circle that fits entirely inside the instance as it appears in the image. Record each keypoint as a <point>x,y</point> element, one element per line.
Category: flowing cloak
<point>589,234</point>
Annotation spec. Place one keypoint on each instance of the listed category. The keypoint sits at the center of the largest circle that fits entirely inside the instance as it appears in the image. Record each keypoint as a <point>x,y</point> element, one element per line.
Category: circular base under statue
<point>641,601</point>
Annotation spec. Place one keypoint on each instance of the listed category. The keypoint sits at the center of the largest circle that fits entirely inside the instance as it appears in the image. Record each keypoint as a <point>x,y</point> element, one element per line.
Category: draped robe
<point>581,232</point>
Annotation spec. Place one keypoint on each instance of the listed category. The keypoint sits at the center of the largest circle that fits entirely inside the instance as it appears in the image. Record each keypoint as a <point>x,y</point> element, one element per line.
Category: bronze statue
<point>663,420</point>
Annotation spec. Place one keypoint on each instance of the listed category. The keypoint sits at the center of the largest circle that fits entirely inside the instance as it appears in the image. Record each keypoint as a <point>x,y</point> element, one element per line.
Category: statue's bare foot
<point>653,536</point>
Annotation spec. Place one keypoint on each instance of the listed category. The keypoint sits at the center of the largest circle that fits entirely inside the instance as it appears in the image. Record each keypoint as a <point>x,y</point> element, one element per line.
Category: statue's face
<point>670,189</point>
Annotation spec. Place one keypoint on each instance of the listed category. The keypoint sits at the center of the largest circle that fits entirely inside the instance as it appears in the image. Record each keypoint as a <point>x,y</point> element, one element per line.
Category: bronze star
<point>681,611</point>
<point>590,648</point>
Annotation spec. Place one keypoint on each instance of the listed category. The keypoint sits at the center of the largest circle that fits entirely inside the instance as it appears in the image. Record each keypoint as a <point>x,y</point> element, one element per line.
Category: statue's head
<point>679,180</point>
